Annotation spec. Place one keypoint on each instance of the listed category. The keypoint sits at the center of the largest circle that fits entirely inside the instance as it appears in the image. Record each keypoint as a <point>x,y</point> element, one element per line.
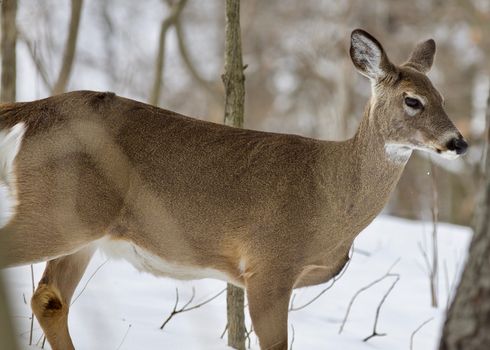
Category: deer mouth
<point>441,151</point>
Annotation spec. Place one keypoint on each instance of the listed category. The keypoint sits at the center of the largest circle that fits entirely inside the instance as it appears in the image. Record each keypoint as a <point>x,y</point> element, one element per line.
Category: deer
<point>190,199</point>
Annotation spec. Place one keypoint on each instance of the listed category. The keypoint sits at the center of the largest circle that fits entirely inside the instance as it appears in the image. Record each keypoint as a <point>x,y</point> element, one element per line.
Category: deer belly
<point>146,261</point>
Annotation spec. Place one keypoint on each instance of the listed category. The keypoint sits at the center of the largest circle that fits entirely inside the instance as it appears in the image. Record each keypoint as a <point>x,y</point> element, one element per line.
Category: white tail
<point>9,147</point>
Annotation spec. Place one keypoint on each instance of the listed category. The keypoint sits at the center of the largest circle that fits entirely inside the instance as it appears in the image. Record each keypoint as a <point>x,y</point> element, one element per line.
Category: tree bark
<point>9,39</point>
<point>7,338</point>
<point>168,22</point>
<point>70,46</point>
<point>467,325</point>
<point>233,79</point>
<point>234,82</point>
<point>7,94</point>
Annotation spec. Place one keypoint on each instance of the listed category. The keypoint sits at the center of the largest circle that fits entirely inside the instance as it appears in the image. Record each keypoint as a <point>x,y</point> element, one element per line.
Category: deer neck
<point>371,169</point>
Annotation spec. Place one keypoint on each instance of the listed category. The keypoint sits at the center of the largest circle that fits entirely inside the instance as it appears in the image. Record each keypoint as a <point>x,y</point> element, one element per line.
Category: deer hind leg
<point>268,301</point>
<point>51,301</point>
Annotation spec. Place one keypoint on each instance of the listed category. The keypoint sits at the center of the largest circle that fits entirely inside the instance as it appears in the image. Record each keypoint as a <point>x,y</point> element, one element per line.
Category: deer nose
<point>457,144</point>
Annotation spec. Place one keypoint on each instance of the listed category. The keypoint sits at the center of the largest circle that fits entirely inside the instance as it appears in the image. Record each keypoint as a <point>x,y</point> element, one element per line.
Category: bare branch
<point>418,329</point>
<point>375,333</point>
<point>434,272</point>
<point>124,337</point>
<point>248,333</point>
<point>167,23</point>
<point>36,59</point>
<point>333,280</point>
<point>206,85</point>
<point>185,308</point>
<point>386,275</point>
<point>224,331</point>
<point>32,314</point>
<point>70,46</point>
<point>86,283</point>
<point>292,337</point>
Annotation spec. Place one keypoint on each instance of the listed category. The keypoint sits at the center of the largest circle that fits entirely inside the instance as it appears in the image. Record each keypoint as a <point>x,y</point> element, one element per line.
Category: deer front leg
<point>51,301</point>
<point>268,301</point>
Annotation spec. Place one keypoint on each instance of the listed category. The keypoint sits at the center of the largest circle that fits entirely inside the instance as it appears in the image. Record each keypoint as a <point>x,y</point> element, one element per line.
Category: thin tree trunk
<point>9,39</point>
<point>234,82</point>
<point>7,94</point>
<point>468,322</point>
<point>233,79</point>
<point>168,22</point>
<point>7,338</point>
<point>70,46</point>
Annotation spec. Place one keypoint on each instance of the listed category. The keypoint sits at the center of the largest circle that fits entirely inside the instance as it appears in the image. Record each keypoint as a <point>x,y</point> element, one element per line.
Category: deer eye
<point>413,103</point>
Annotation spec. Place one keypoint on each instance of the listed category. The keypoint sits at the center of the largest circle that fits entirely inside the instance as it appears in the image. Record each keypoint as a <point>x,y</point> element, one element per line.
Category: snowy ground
<point>123,309</point>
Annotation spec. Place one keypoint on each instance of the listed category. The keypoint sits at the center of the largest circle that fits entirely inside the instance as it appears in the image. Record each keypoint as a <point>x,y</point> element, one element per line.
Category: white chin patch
<point>398,153</point>
<point>449,154</point>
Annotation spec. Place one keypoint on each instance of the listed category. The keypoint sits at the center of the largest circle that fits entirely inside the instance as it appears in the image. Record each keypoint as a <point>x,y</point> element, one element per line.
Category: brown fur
<point>206,195</point>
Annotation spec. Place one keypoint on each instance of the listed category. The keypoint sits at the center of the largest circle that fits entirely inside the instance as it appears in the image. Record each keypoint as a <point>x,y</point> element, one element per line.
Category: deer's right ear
<point>368,56</point>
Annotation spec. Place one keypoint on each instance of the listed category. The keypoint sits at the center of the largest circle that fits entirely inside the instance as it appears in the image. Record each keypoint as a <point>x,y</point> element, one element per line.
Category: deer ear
<point>422,56</point>
<point>368,56</point>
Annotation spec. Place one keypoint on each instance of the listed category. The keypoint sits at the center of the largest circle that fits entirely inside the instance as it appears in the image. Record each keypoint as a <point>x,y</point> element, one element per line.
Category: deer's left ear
<point>369,57</point>
<point>422,56</point>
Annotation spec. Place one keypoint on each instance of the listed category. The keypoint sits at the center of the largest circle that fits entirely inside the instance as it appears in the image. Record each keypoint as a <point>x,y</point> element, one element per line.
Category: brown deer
<point>187,198</point>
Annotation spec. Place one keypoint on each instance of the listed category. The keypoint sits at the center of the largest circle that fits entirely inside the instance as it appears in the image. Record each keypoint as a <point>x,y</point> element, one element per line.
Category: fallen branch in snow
<point>247,334</point>
<point>375,333</point>
<point>386,275</point>
<point>32,314</point>
<point>224,331</point>
<point>418,329</point>
<point>292,337</point>
<point>333,280</point>
<point>185,308</point>
<point>451,287</point>
<point>89,279</point>
<point>124,337</point>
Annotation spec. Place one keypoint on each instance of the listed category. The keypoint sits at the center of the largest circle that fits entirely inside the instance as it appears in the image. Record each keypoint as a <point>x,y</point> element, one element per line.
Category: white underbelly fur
<point>145,261</point>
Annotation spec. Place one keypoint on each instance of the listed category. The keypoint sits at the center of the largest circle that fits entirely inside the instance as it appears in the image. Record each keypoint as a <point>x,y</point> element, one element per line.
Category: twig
<point>375,333</point>
<point>361,251</point>
<point>434,272</point>
<point>86,283</point>
<point>247,334</point>
<point>292,337</point>
<point>175,11</point>
<point>333,280</point>
<point>32,313</point>
<point>387,274</point>
<point>124,337</point>
<point>224,331</point>
<point>185,308</point>
<point>40,66</point>
<point>213,93</point>
<point>418,329</point>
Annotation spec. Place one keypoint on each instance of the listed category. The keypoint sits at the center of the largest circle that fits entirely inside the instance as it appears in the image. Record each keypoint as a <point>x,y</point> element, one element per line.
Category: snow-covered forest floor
<point>120,308</point>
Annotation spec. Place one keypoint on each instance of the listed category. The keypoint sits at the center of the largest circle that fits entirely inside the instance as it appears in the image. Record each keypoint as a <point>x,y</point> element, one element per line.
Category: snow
<point>121,308</point>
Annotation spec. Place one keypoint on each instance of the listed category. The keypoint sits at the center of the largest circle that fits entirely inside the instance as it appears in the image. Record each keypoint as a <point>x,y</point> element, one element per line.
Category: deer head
<point>407,109</point>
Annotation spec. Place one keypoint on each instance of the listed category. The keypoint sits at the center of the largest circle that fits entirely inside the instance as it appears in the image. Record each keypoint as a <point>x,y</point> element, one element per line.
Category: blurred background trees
<point>299,76</point>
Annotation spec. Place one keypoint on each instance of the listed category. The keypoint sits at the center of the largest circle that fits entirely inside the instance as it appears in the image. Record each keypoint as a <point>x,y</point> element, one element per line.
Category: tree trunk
<point>7,338</point>
<point>233,79</point>
<point>234,82</point>
<point>70,46</point>
<point>468,322</point>
<point>7,94</point>
<point>9,39</point>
